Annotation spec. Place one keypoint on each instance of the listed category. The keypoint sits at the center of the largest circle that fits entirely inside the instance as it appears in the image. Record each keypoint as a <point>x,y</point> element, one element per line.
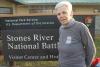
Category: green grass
<point>37,63</point>
<point>97,43</point>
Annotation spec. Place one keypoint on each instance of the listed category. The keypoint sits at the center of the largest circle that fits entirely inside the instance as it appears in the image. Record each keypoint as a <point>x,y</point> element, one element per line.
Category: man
<point>76,47</point>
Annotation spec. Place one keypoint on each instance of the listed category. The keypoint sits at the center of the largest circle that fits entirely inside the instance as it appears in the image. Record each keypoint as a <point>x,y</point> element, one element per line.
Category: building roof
<point>95,2</point>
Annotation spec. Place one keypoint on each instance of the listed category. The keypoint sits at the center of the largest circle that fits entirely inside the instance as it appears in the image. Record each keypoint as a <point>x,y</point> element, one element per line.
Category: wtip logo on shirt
<point>68,40</point>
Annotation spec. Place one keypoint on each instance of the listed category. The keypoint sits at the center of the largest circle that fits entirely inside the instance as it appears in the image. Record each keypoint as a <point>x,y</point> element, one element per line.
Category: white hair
<point>66,3</point>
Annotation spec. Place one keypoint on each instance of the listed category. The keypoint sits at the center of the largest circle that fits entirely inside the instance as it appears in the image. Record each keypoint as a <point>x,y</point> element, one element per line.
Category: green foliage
<point>97,43</point>
<point>37,63</point>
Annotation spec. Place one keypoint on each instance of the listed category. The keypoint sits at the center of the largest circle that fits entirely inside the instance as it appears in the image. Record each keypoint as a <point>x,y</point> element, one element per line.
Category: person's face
<point>63,14</point>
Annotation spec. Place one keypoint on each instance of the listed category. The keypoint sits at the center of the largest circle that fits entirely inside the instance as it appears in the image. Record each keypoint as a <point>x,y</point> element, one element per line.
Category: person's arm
<point>87,40</point>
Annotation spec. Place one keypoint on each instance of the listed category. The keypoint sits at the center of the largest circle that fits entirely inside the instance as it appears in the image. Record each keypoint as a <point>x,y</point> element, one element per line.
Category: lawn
<point>97,43</point>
